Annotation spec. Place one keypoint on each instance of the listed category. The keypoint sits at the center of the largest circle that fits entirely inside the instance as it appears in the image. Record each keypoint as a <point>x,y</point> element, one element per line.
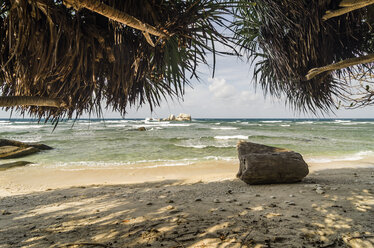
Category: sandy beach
<point>200,205</point>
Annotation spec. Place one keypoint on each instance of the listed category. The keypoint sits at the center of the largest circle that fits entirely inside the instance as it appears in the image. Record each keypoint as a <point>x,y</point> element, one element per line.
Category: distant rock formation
<point>261,164</point>
<point>180,117</point>
<point>17,149</point>
<point>183,117</point>
<point>170,118</point>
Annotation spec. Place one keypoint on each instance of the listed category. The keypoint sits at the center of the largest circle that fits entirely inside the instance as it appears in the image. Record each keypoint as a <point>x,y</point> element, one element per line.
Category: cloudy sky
<point>230,94</point>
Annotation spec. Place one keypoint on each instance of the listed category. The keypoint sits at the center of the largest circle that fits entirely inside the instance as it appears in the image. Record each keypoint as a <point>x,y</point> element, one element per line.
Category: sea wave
<point>356,123</point>
<point>224,128</point>
<point>118,125</point>
<point>220,158</point>
<point>204,146</point>
<point>156,128</point>
<point>115,121</point>
<point>24,126</point>
<point>305,122</point>
<point>271,121</point>
<point>28,139</point>
<point>231,137</point>
<point>354,157</point>
<point>162,124</point>
<point>105,164</point>
<point>81,165</point>
<point>342,121</point>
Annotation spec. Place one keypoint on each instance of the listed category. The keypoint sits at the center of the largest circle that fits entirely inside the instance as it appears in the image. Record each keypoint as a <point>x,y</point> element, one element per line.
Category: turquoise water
<point>98,143</point>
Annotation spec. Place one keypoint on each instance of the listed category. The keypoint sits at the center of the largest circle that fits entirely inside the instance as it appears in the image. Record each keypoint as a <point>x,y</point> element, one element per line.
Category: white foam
<point>30,140</point>
<point>24,126</point>
<point>284,125</point>
<point>231,137</point>
<point>82,165</point>
<point>118,125</point>
<point>156,128</point>
<point>354,157</point>
<point>203,146</point>
<point>116,121</point>
<point>224,128</point>
<point>220,158</point>
<point>349,123</point>
<point>168,165</point>
<point>161,124</point>
<point>178,125</point>
<point>305,122</point>
<point>192,146</point>
<point>271,121</point>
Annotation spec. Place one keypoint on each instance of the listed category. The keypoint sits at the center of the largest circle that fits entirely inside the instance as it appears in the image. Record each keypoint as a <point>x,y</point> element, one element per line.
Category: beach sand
<point>199,205</point>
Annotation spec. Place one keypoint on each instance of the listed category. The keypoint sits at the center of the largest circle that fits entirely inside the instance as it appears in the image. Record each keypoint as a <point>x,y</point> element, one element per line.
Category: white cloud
<point>228,95</point>
<point>246,97</point>
<point>221,89</point>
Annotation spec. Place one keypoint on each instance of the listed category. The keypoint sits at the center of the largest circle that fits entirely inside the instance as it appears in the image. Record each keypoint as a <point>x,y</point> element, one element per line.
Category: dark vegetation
<point>54,49</point>
<point>49,50</point>
<point>286,39</point>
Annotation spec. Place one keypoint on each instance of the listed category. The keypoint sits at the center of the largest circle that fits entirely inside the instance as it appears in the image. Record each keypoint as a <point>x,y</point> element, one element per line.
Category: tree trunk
<point>11,101</point>
<point>340,65</point>
<point>116,15</point>
<point>347,6</point>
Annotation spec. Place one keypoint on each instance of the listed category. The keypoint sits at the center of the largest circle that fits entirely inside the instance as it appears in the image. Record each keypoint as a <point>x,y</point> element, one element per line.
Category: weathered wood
<point>14,164</point>
<point>347,6</point>
<point>6,142</point>
<point>17,149</point>
<point>7,152</point>
<point>11,101</point>
<point>340,65</point>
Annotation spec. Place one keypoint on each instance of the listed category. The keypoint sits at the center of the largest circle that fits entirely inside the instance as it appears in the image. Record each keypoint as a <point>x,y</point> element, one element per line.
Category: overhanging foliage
<point>286,39</point>
<point>85,59</point>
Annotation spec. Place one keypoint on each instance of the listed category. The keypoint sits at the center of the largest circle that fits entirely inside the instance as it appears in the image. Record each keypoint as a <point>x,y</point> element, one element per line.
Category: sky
<point>230,94</point>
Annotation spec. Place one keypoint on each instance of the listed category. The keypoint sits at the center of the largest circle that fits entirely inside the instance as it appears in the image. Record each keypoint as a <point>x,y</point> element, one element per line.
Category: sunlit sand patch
<point>273,215</point>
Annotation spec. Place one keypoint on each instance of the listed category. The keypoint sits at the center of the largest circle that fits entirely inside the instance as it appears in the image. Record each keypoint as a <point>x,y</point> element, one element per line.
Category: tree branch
<point>116,15</point>
<point>347,6</point>
<point>11,101</point>
<point>340,65</point>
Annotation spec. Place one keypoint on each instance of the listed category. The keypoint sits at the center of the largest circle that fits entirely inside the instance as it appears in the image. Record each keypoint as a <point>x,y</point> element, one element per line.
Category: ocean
<point>116,142</point>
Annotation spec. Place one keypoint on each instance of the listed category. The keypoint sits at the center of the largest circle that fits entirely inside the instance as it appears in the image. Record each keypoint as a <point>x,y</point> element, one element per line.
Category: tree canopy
<point>52,49</point>
<point>288,42</point>
<point>63,58</point>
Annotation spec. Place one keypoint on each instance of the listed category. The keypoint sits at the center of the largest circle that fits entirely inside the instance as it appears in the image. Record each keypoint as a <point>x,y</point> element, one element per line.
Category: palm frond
<point>285,39</point>
<point>85,59</point>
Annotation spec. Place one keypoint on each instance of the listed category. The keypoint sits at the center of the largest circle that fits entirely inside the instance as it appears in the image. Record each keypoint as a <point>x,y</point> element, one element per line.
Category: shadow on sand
<point>216,214</point>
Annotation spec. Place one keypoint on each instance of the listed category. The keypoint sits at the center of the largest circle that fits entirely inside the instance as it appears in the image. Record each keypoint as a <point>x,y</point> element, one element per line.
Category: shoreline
<point>23,180</point>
